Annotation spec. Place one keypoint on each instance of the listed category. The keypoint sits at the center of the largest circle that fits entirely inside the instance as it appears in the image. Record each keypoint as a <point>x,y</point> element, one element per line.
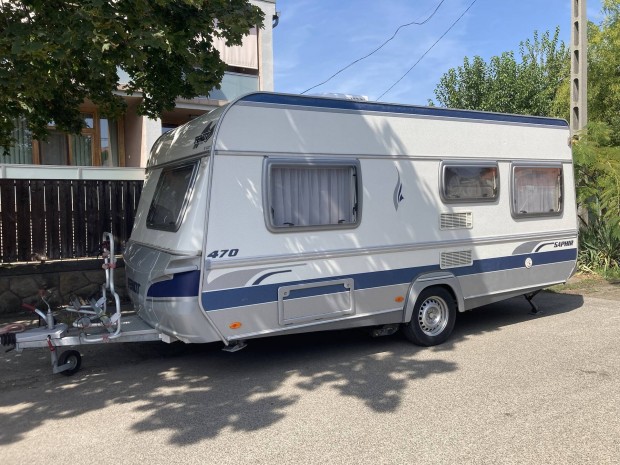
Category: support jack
<point>236,347</point>
<point>535,311</point>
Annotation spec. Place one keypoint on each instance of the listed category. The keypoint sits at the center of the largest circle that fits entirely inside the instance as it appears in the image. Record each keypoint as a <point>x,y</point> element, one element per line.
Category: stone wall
<point>83,278</point>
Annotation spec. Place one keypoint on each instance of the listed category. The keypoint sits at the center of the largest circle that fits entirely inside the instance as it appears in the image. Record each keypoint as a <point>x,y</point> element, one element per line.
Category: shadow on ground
<point>195,392</point>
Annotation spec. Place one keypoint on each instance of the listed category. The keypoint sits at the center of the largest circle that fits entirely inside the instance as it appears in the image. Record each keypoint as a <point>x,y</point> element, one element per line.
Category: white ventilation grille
<point>455,259</point>
<point>456,220</point>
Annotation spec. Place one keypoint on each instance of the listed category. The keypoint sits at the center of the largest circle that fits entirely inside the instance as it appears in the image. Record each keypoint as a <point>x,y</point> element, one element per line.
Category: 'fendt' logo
<point>205,135</point>
<point>133,286</point>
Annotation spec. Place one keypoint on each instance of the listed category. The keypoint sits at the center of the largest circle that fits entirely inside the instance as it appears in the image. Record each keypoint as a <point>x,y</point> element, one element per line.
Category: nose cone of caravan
<point>163,288</point>
<point>140,262</point>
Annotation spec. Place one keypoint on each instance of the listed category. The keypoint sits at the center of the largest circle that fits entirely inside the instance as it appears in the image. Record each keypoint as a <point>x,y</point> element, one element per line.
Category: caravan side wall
<point>366,183</point>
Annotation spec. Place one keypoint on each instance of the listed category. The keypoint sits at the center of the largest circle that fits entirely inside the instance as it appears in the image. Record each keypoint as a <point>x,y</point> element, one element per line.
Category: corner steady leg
<point>235,347</point>
<point>534,311</point>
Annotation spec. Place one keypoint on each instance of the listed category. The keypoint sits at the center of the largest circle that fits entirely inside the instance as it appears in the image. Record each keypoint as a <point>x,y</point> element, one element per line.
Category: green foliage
<point>538,83</point>
<point>604,70</point>
<point>529,85</point>
<point>597,174</point>
<point>54,54</point>
<point>599,247</point>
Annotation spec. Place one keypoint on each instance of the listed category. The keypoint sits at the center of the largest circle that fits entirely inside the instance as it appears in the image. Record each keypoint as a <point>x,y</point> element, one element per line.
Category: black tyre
<point>433,317</point>
<point>73,358</point>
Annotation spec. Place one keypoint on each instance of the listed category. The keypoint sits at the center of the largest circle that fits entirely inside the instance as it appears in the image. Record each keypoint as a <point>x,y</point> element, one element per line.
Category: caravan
<point>280,214</point>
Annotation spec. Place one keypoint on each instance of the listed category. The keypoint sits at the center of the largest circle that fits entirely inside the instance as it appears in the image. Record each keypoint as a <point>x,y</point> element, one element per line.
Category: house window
<point>536,190</point>
<point>21,151</point>
<point>109,146</point>
<point>470,182</point>
<point>171,197</point>
<point>165,127</point>
<point>319,194</point>
<point>98,144</point>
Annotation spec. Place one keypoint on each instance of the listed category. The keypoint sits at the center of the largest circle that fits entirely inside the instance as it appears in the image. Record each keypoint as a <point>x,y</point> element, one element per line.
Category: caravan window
<point>536,190</point>
<point>470,182</point>
<point>171,196</point>
<point>319,194</point>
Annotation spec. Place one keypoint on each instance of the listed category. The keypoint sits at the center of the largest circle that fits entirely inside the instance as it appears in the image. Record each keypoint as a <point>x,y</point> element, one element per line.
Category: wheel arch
<point>443,279</point>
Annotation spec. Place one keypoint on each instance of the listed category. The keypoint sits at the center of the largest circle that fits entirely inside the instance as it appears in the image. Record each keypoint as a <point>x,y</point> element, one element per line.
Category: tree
<point>529,85</point>
<point>54,54</point>
<point>604,70</point>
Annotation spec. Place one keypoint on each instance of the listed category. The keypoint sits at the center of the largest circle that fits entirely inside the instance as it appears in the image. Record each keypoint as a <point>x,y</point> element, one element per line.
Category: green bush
<point>597,173</point>
<point>599,247</point>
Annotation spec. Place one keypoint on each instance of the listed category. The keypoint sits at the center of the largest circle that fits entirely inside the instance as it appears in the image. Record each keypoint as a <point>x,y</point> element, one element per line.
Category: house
<point>58,196</point>
<point>119,148</point>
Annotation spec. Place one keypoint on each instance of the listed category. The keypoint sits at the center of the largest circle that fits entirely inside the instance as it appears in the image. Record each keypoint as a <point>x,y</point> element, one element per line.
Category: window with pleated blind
<point>537,190</point>
<point>313,195</point>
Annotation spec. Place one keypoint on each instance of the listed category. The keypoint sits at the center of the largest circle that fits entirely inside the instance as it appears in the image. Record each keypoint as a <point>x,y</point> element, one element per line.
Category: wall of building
<point>133,135</point>
<point>266,45</point>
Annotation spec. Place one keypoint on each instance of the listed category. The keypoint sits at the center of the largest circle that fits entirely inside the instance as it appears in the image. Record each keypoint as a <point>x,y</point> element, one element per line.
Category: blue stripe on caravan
<point>217,300</point>
<point>239,297</point>
<point>516,261</point>
<point>187,284</point>
<point>181,285</point>
<point>342,104</point>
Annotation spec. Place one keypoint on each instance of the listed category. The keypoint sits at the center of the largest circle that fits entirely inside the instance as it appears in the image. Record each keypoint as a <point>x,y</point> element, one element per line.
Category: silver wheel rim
<point>433,316</point>
<point>72,361</point>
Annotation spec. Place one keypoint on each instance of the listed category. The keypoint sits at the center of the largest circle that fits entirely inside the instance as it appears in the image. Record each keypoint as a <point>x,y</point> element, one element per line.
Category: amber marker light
<point>235,325</point>
<point>399,299</point>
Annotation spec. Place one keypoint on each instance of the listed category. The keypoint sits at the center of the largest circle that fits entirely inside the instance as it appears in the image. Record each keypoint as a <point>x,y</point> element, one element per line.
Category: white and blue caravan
<point>280,214</point>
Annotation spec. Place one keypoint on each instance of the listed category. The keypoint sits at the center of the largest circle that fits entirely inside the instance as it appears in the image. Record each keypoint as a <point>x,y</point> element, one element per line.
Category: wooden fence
<point>63,219</point>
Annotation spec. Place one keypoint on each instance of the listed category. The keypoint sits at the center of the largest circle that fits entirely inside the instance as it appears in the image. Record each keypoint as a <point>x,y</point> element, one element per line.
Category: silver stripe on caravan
<point>357,156</point>
<point>233,263</point>
<point>182,253</point>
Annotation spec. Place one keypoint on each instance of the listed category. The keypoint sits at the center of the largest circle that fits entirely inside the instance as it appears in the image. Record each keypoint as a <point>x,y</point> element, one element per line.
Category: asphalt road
<point>507,388</point>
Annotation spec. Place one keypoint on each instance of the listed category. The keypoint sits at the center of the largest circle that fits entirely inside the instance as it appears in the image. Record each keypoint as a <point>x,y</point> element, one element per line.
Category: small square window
<point>470,183</point>
<point>537,190</point>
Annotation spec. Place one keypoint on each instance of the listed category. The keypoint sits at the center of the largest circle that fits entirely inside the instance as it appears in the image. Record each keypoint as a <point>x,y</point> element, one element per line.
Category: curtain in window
<point>242,56</point>
<point>312,196</point>
<point>54,150</point>
<point>82,148</point>
<point>109,142</point>
<point>537,190</point>
<point>21,151</point>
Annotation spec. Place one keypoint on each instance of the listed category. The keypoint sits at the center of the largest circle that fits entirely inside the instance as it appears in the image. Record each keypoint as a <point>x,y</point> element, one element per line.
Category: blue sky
<point>316,38</point>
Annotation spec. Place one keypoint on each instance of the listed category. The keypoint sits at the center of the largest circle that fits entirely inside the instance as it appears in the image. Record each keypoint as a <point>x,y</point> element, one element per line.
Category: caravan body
<point>279,214</point>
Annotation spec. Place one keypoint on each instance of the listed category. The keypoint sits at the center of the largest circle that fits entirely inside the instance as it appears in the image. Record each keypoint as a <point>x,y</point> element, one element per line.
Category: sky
<point>316,38</point>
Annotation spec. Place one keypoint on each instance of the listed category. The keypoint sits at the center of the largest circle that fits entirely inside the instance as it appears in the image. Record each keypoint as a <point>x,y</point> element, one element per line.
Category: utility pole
<point>579,67</point>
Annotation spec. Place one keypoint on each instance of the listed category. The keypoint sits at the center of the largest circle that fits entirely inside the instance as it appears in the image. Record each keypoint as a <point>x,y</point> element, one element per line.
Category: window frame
<point>551,165</point>
<point>93,132</point>
<point>195,164</point>
<point>271,162</point>
<point>444,165</point>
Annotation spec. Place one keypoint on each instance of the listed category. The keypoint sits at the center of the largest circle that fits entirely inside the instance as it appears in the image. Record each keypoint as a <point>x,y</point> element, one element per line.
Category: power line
<point>429,49</point>
<point>378,48</point>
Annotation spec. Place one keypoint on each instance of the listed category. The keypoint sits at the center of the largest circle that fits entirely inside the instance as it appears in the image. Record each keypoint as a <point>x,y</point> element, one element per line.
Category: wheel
<point>73,358</point>
<point>433,317</point>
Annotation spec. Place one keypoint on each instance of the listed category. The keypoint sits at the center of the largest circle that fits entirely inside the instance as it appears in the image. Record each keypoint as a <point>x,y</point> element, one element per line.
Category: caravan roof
<point>244,123</point>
